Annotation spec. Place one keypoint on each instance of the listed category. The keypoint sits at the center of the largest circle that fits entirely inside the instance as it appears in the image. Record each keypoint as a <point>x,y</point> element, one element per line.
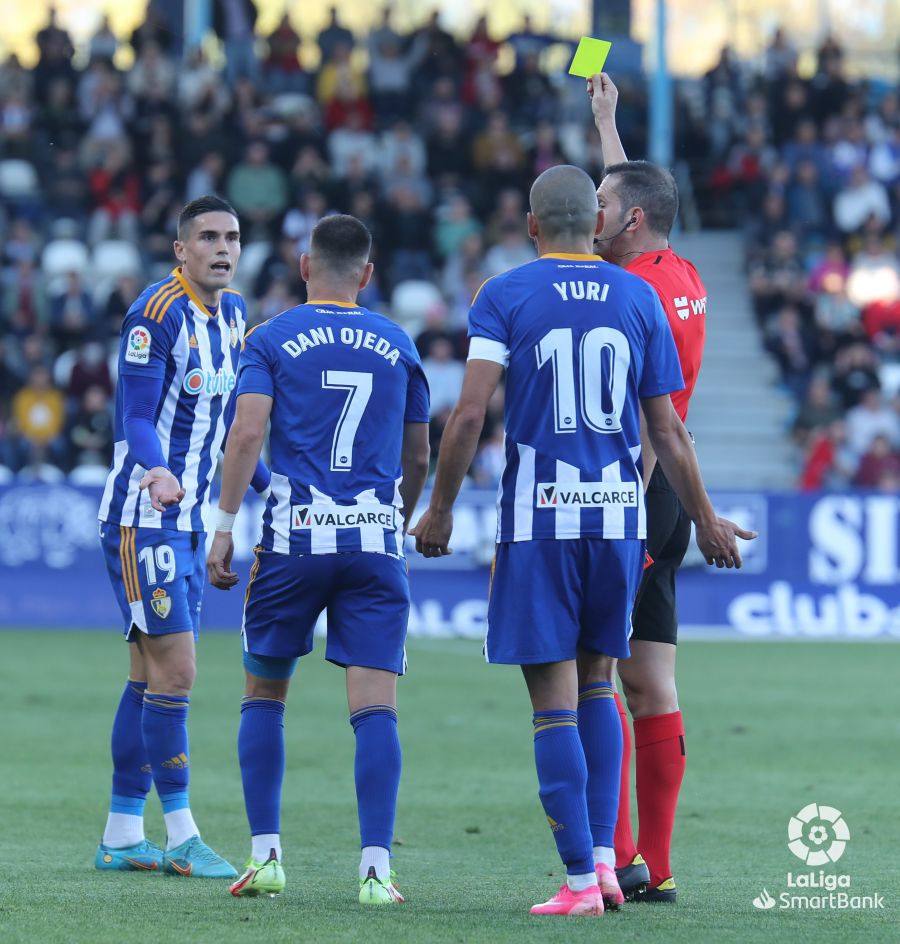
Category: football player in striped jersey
<point>346,397</point>
<point>584,345</point>
<point>178,359</point>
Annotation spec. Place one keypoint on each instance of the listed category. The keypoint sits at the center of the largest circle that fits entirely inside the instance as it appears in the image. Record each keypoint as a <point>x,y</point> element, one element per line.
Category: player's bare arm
<point>458,446</point>
<point>414,459</point>
<point>675,452</point>
<point>647,454</point>
<point>245,441</point>
<point>604,95</point>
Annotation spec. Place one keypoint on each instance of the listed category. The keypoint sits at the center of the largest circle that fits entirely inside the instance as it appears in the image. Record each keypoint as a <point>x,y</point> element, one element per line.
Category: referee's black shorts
<point>655,616</point>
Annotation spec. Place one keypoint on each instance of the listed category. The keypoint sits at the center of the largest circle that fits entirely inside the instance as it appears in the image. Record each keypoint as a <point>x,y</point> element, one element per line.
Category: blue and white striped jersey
<point>170,334</point>
<point>343,381</point>
<point>582,341</point>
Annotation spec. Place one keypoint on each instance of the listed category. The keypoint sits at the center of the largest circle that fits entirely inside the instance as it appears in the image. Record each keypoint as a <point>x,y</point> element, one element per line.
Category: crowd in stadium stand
<point>435,150</point>
<point>813,168</point>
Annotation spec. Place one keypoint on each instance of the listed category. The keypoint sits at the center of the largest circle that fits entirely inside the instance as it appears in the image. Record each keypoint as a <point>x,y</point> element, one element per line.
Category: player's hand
<point>218,561</point>
<point>603,95</point>
<point>717,542</point>
<point>163,488</point>
<point>432,533</point>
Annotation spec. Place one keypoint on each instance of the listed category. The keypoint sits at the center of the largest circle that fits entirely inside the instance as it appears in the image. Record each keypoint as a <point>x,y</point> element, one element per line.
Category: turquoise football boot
<point>194,858</point>
<point>146,856</point>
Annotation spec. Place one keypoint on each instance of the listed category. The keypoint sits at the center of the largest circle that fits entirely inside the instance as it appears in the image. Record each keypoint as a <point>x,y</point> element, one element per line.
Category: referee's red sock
<point>659,743</point>
<point>624,837</point>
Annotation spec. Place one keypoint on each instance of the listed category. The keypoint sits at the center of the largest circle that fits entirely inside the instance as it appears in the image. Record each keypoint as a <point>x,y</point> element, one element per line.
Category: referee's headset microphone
<point>607,239</point>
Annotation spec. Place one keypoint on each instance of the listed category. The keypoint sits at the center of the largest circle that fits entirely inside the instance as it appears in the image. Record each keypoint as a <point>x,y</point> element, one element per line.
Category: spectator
<point>333,37</point>
<point>794,347</point>
<point>880,460</point>
<point>89,370</point>
<point>391,70</point>
<point>526,44</point>
<point>855,374</point>
<point>72,313</point>
<point>257,189</point>
<point>859,200</point>
<point>455,224</point>
<point>514,249</point>
<point>234,22</point>
<point>38,414</point>
<point>25,308</point>
<point>90,430</point>
<point>818,411</point>
<point>444,374</point>
<point>283,70</point>
<point>872,417</point>
<point>827,463</point>
<point>104,43</point>
<point>781,57</point>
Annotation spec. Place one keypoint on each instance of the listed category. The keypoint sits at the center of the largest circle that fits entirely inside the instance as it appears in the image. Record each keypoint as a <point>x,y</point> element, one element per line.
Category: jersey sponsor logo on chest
<point>214,383</point>
<point>343,516</point>
<point>587,494</point>
<point>684,306</point>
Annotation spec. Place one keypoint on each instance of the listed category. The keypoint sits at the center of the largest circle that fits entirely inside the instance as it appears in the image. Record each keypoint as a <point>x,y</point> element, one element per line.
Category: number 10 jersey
<point>344,380</point>
<point>583,341</point>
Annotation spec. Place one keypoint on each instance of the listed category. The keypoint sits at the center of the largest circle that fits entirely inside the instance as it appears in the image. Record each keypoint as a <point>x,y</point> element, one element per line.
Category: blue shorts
<point>366,596</point>
<point>551,598</point>
<point>157,577</point>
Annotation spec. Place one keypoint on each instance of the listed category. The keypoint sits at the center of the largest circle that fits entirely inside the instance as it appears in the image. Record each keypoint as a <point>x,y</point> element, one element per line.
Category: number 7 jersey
<point>343,380</point>
<point>583,341</point>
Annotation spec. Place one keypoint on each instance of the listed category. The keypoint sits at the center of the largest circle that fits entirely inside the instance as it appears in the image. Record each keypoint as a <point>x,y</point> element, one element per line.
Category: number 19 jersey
<point>343,381</point>
<point>583,341</point>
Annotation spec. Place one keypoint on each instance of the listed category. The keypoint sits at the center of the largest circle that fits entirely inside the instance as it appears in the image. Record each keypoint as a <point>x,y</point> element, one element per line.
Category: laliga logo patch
<point>137,348</point>
<point>812,828</point>
<point>234,333</point>
<point>161,603</point>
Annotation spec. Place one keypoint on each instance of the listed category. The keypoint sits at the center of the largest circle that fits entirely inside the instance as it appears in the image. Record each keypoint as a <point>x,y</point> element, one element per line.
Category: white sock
<point>380,858</point>
<point>123,829</point>
<point>180,826</point>
<point>263,844</point>
<point>605,855</point>
<point>578,883</point>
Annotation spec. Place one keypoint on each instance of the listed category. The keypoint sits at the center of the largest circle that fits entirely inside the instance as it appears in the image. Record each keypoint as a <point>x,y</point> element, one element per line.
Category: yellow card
<point>590,56</point>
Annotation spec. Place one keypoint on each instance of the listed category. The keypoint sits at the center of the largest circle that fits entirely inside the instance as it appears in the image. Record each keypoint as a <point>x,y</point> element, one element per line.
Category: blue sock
<point>562,778</point>
<point>261,756</point>
<point>601,736</point>
<point>377,773</point>
<point>166,739</point>
<point>131,780</point>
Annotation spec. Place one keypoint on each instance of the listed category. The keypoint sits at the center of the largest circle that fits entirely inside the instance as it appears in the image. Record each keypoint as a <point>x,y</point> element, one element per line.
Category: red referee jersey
<point>683,298</point>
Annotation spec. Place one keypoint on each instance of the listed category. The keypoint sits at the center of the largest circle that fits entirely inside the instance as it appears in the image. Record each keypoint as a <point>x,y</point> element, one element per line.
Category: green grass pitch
<point>771,727</point>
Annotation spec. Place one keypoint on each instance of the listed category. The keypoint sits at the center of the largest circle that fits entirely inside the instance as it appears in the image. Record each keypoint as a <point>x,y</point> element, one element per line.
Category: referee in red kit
<point>640,202</point>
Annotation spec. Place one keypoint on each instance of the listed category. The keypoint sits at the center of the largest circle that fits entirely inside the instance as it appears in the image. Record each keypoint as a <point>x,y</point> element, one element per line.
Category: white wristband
<point>224,520</point>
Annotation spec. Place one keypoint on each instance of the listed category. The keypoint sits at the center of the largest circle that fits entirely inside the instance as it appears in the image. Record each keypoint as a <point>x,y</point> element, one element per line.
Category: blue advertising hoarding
<point>825,566</point>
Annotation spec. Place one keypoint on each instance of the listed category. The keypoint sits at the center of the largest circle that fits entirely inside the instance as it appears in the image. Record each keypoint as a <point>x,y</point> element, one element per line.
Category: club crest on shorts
<point>161,603</point>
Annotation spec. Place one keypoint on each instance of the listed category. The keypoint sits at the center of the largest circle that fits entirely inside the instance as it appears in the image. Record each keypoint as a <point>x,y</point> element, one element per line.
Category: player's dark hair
<point>209,203</point>
<point>650,187</point>
<point>341,242</point>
